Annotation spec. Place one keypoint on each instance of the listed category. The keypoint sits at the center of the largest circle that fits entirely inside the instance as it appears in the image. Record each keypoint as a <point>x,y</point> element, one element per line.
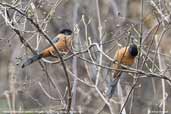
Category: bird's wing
<point>55,39</point>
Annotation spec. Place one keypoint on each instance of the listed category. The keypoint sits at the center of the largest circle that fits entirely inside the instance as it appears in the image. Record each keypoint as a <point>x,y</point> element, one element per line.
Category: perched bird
<point>62,42</point>
<point>126,56</point>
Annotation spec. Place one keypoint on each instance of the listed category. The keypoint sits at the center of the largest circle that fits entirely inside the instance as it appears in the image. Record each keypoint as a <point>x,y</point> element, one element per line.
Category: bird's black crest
<point>133,50</point>
<point>66,31</point>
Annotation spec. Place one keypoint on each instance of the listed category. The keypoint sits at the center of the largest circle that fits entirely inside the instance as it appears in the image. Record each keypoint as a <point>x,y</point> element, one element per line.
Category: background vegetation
<point>77,82</point>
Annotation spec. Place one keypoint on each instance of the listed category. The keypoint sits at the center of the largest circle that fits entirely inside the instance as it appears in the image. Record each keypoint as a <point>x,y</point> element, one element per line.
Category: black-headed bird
<point>125,56</point>
<point>62,42</point>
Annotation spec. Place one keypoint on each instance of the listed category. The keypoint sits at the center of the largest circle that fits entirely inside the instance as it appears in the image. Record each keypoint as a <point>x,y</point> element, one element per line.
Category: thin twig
<point>57,51</point>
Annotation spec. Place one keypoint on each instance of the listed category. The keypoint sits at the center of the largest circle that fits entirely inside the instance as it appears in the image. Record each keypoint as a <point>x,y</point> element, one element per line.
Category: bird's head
<point>66,32</point>
<point>133,50</point>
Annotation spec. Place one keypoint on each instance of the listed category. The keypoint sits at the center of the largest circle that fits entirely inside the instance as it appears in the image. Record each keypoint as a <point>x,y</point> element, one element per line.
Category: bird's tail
<point>31,60</point>
<point>111,87</point>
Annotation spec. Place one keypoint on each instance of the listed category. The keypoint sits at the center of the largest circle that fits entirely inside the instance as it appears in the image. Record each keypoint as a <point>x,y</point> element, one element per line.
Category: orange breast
<point>62,45</point>
<point>123,57</point>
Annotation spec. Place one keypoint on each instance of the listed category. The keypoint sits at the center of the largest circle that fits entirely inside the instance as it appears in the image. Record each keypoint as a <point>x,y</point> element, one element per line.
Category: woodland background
<point>100,28</point>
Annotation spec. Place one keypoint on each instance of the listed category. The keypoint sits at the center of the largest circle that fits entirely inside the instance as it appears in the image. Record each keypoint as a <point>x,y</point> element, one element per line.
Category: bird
<point>125,56</point>
<point>62,42</point>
